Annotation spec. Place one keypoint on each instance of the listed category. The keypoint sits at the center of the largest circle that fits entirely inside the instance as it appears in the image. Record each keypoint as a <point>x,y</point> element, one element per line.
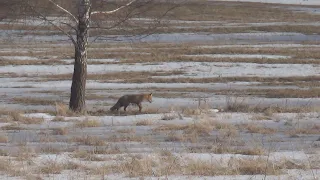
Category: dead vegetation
<point>171,165</point>
<point>88,123</point>
<point>189,137</point>
<point>33,101</point>
<point>254,128</point>
<point>89,140</point>
<point>51,167</point>
<point>18,117</point>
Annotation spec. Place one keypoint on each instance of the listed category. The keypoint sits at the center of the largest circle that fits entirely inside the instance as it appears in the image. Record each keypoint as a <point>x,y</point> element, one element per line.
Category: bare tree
<point>77,27</point>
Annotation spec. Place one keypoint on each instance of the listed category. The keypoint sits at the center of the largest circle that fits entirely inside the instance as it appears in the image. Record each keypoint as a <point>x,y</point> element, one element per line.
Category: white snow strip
<point>259,56</point>
<point>299,2</point>
<point>21,58</point>
<point>193,69</point>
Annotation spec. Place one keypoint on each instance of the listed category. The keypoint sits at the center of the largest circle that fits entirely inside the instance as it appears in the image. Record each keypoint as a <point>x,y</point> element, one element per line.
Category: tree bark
<point>78,88</point>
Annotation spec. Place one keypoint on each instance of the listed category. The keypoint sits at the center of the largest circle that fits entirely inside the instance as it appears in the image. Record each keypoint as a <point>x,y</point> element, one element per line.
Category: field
<point>235,96</point>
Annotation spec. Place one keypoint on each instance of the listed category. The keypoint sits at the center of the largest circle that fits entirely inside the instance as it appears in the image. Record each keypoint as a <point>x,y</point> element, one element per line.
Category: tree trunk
<point>78,87</point>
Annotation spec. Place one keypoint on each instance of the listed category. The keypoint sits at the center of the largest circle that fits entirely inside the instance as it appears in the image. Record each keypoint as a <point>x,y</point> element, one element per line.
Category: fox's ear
<point>150,94</point>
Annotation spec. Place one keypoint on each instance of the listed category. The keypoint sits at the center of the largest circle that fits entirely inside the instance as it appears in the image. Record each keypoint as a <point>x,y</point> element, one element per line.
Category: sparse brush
<point>138,167</point>
<point>32,101</point>
<point>126,138</point>
<point>201,127</point>
<point>145,122</point>
<point>73,166</point>
<point>12,127</point>
<point>51,167</point>
<point>80,154</point>
<point>62,109</point>
<point>25,153</point>
<point>127,131</point>
<point>18,117</point>
<point>190,112</point>
<point>50,150</point>
<point>172,136</point>
<point>58,119</point>
<point>60,131</point>
<point>107,150</point>
<point>253,128</point>
<point>3,152</point>
<point>88,123</point>
<point>204,168</point>
<point>3,139</point>
<point>89,140</point>
<point>236,105</point>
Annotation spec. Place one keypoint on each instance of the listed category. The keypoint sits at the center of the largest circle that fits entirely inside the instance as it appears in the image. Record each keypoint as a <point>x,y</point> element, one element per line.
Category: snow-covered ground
<point>192,69</point>
<point>296,2</point>
<point>203,130</point>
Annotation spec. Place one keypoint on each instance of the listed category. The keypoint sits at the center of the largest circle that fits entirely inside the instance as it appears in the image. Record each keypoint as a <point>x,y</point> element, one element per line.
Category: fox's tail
<point>115,107</point>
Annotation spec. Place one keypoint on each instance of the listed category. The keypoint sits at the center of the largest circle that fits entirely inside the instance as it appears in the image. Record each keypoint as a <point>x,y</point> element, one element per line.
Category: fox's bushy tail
<point>115,107</point>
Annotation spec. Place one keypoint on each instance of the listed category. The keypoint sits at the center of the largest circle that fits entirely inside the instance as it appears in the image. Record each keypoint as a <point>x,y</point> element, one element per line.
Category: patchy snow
<point>260,46</point>
<point>258,56</point>
<point>241,38</point>
<point>18,58</point>
<point>93,60</point>
<point>306,9</point>
<point>298,2</point>
<point>209,37</point>
<point>40,115</point>
<point>193,69</point>
<point>223,159</point>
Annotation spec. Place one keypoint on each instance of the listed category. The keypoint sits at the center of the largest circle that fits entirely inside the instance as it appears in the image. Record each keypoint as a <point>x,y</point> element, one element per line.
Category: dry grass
<point>173,136</point>
<point>12,127</point>
<point>61,109</point>
<point>111,76</point>
<point>283,93</point>
<point>24,153</point>
<point>51,167</point>
<point>108,150</point>
<point>313,129</point>
<point>254,128</point>
<point>127,138</point>
<point>32,62</point>
<point>10,168</point>
<point>60,131</point>
<point>127,131</point>
<point>172,165</point>
<point>16,116</point>
<point>192,132</point>
<point>228,148</point>
<point>88,123</point>
<point>50,150</point>
<point>248,28</point>
<point>293,80</point>
<point>3,139</point>
<point>261,117</point>
<point>58,119</point>
<point>33,101</point>
<point>3,152</point>
<point>89,140</point>
<point>87,156</point>
<point>145,122</point>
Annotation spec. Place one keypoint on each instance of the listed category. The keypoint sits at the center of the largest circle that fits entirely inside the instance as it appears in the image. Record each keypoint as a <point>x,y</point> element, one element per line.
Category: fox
<point>126,100</point>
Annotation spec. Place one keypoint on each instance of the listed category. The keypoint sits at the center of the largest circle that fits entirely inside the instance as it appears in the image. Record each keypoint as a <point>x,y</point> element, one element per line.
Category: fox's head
<point>149,97</point>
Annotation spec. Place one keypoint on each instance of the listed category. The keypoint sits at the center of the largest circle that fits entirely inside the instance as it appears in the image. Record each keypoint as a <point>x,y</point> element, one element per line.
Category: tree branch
<point>113,11</point>
<point>56,26</point>
<point>66,11</point>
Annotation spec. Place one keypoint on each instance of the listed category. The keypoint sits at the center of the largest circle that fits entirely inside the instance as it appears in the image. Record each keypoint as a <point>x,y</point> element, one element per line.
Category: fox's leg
<point>125,106</point>
<point>140,107</point>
